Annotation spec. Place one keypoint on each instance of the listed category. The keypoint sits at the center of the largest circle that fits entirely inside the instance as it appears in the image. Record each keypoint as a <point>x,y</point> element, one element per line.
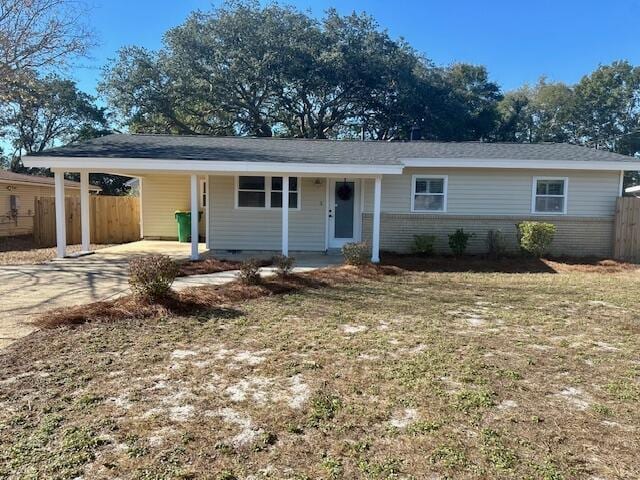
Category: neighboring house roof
<point>281,150</point>
<point>21,178</point>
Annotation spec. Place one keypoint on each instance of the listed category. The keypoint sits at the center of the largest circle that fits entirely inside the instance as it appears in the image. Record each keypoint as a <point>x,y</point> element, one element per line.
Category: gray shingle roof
<point>183,147</point>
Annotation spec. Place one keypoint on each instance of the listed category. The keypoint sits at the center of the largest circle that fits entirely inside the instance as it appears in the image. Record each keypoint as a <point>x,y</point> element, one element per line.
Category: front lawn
<point>422,375</point>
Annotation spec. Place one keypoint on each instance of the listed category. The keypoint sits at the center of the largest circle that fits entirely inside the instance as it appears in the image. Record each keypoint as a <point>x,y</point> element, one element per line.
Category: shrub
<point>250,272</point>
<point>284,265</point>
<point>458,241</point>
<point>423,244</point>
<point>495,244</point>
<point>357,253</point>
<point>536,237</point>
<point>151,276</point>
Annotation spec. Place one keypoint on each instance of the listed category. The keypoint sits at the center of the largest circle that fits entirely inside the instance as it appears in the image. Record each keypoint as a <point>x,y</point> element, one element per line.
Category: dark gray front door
<point>344,208</point>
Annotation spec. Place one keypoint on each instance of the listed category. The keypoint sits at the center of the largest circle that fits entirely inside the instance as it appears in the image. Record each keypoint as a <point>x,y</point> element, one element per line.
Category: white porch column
<point>375,234</point>
<point>61,230</point>
<point>194,217</point>
<point>285,216</point>
<point>84,211</point>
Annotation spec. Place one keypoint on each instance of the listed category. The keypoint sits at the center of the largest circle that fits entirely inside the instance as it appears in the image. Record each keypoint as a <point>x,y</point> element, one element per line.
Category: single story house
<point>316,195</point>
<point>17,199</point>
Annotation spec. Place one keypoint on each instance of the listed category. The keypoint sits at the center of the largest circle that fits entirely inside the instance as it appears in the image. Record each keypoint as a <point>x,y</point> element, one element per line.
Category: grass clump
<point>450,456</point>
<point>324,407</point>
<point>497,453</point>
<point>470,400</point>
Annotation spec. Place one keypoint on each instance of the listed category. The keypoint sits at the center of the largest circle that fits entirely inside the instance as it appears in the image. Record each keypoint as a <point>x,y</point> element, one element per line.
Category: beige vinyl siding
<point>162,195</point>
<point>475,191</point>
<point>23,224</point>
<point>261,229</point>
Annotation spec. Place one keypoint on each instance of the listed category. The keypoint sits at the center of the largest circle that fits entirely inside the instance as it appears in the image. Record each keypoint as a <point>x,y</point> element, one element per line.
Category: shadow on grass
<point>210,300</point>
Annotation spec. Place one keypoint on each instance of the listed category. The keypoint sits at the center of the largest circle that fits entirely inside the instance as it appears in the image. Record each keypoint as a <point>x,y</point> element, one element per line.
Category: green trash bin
<point>184,225</point>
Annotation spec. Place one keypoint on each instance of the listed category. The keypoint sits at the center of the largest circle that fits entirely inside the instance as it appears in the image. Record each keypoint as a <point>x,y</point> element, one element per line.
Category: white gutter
<point>520,164</point>
<point>206,166</point>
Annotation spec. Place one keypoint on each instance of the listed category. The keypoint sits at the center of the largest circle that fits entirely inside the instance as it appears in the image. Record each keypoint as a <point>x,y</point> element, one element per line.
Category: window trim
<point>267,192</point>
<point>534,195</point>
<point>445,193</point>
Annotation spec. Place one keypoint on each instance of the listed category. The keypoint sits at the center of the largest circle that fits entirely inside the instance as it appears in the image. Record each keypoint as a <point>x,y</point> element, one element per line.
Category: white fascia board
<point>519,164</point>
<point>97,164</point>
<point>633,189</point>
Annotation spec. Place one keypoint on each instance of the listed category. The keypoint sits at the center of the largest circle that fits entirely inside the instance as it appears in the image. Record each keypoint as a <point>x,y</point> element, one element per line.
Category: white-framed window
<point>265,192</point>
<point>203,193</point>
<point>549,195</point>
<point>429,193</point>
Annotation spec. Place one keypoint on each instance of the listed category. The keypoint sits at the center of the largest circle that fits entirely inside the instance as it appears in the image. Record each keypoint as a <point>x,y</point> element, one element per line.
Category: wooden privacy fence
<point>112,219</point>
<point>626,237</point>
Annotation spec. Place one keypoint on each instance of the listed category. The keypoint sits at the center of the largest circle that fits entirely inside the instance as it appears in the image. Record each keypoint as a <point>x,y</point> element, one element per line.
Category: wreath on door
<point>345,191</point>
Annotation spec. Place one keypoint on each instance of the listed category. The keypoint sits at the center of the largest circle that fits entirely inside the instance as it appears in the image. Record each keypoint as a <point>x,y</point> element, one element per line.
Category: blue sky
<point>517,40</point>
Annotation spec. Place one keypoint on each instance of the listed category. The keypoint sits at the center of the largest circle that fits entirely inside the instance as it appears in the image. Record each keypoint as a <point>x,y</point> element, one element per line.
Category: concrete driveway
<point>28,290</point>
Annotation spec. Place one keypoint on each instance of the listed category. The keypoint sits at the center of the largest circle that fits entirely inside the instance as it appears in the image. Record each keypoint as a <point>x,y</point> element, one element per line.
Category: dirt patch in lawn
<point>507,264</point>
<point>213,265</point>
<point>23,251</point>
<point>379,377</point>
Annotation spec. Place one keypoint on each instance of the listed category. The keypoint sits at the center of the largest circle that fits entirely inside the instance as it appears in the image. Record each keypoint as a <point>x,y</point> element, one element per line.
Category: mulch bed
<point>213,265</point>
<point>507,264</point>
<point>196,300</point>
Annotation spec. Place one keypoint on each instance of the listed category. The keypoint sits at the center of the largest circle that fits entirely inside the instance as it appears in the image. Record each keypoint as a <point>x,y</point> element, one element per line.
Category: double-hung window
<point>276,192</point>
<point>429,193</point>
<point>549,195</point>
<point>265,192</point>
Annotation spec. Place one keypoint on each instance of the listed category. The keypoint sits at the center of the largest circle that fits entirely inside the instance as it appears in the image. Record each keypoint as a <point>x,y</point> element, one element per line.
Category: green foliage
<point>496,246</point>
<point>250,272</point>
<point>324,407</point>
<point>49,111</point>
<point>294,75</point>
<point>450,456</point>
<point>458,241</point>
<point>423,244</point>
<point>356,253</point>
<point>536,237</point>
<point>151,276</point>
<point>333,467</point>
<point>470,400</point>
<point>284,265</point>
<point>496,451</point>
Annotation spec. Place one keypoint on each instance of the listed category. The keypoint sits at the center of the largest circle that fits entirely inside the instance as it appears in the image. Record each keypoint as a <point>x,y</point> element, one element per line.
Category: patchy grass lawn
<point>23,251</point>
<point>423,375</point>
